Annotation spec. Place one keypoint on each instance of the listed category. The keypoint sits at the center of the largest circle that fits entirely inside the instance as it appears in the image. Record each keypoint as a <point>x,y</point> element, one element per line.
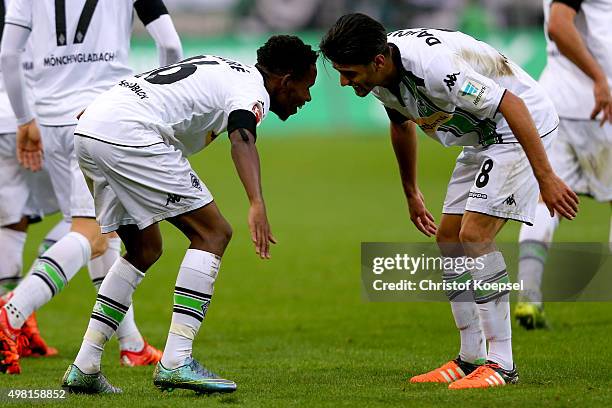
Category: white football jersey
<point>8,124</point>
<point>452,85</point>
<point>80,48</point>
<point>570,89</point>
<point>186,104</point>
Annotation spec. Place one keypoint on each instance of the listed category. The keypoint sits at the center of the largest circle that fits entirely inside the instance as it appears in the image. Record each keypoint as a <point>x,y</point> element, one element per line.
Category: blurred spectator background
<point>219,17</point>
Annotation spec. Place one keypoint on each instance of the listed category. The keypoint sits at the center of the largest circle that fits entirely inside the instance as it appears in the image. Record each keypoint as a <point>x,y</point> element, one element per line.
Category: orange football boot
<point>449,372</point>
<point>485,376</point>
<point>149,355</point>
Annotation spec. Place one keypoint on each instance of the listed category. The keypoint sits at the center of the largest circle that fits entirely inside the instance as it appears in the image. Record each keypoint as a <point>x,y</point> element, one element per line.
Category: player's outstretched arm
<point>29,145</point>
<point>404,140</point>
<point>562,30</point>
<point>157,21</point>
<point>246,160</point>
<point>557,196</point>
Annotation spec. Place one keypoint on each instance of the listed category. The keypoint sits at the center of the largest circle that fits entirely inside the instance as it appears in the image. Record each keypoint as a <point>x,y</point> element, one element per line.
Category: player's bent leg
<point>477,235</point>
<point>209,234</point>
<point>134,350</point>
<point>473,348</point>
<point>143,248</point>
<point>534,242</point>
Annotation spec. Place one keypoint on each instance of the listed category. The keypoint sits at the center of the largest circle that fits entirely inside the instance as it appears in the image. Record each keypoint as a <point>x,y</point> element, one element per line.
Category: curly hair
<point>286,54</point>
<point>355,39</point>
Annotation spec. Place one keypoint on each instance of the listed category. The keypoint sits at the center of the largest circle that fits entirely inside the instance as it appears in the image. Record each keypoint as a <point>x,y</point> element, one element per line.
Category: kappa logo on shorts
<point>510,200</point>
<point>173,198</point>
<point>195,182</point>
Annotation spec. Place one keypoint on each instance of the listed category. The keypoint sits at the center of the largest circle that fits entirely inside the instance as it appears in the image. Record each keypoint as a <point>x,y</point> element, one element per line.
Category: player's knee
<point>473,235</point>
<point>221,235</point>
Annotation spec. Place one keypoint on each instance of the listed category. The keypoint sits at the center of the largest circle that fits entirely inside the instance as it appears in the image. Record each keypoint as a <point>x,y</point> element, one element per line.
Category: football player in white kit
<point>577,78</point>
<point>24,198</point>
<point>80,48</point>
<point>461,91</point>
<point>132,143</point>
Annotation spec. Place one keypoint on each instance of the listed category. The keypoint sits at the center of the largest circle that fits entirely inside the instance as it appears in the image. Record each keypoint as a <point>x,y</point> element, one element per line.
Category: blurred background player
<point>461,91</point>
<point>577,77</point>
<point>24,198</point>
<point>132,143</point>
<point>80,48</point>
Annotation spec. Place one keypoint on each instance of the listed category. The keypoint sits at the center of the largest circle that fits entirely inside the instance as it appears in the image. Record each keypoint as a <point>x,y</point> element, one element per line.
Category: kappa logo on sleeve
<point>474,92</point>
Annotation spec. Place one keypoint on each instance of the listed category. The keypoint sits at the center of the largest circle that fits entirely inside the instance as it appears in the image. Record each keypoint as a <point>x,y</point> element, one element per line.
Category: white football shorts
<point>22,192</point>
<point>582,157</point>
<point>70,187</point>
<point>496,180</point>
<point>139,185</point>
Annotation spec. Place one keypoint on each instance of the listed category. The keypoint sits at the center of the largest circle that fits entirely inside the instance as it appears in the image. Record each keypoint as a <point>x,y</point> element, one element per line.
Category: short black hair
<point>355,39</point>
<point>286,54</point>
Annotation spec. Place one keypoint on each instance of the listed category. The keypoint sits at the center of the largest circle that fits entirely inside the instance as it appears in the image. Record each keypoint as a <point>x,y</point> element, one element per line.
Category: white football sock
<point>473,345</point>
<point>128,334</point>
<point>11,258</point>
<point>494,309</point>
<point>534,243</point>
<point>48,276</point>
<point>192,294</point>
<point>113,301</point>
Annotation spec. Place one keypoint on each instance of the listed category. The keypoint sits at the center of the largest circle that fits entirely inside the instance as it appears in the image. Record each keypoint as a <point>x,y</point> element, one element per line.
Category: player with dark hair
<point>461,91</point>
<point>132,143</point>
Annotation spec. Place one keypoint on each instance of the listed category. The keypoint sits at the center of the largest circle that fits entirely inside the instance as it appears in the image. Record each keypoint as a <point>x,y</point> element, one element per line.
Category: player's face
<point>361,77</point>
<point>293,94</point>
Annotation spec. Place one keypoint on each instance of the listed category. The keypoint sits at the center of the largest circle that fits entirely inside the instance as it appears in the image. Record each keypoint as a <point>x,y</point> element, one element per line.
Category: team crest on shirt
<point>258,112</point>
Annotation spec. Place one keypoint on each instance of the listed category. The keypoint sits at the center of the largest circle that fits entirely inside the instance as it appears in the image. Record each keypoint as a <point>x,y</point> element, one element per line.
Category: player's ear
<point>379,61</point>
<point>285,80</point>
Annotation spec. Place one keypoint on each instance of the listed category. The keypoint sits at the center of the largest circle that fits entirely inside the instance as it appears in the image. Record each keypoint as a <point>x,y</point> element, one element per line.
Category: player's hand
<point>558,197</point>
<point>260,230</point>
<point>29,146</point>
<point>603,101</point>
<point>420,216</point>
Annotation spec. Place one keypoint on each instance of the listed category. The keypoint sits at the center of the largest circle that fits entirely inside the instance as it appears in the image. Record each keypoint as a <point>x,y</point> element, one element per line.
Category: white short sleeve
<point>19,12</point>
<point>450,79</point>
<point>247,99</point>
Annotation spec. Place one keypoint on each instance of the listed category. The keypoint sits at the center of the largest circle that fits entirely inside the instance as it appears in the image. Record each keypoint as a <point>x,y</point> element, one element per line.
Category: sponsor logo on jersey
<point>474,92</point>
<point>430,124</point>
<point>430,39</point>
<point>79,58</point>
<point>134,87</point>
<point>481,196</point>
<point>450,80</point>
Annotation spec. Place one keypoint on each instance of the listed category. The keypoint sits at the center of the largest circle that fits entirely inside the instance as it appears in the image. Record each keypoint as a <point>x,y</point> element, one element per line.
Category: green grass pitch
<point>295,330</point>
